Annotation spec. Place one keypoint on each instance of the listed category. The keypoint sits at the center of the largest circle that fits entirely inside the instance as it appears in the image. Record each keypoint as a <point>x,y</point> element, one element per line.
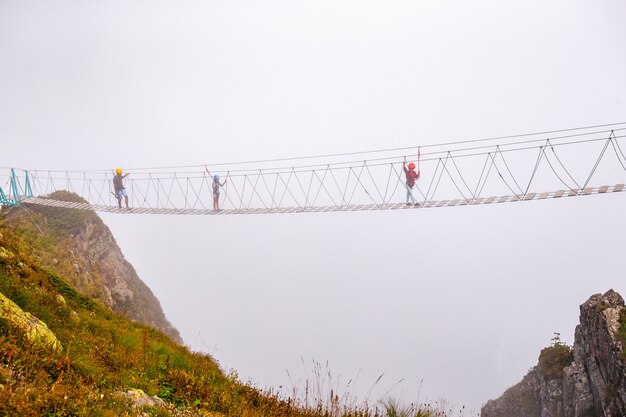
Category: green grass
<point>104,352</point>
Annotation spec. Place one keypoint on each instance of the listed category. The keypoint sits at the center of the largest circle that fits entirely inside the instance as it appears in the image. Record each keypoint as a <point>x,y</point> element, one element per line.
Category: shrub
<point>554,359</point>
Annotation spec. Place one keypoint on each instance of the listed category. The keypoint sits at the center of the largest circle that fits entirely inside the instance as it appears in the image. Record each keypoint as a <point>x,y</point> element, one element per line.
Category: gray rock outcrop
<point>587,381</point>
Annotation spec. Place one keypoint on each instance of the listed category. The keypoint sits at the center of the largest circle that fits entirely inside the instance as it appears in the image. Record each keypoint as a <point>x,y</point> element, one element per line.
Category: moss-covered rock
<point>36,331</point>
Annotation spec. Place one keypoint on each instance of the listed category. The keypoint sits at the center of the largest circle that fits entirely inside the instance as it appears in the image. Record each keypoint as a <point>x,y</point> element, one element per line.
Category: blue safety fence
<point>16,189</point>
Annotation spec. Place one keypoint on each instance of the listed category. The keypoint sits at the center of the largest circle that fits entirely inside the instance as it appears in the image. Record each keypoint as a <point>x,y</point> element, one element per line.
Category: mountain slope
<point>62,354</point>
<point>79,246</point>
<point>103,362</point>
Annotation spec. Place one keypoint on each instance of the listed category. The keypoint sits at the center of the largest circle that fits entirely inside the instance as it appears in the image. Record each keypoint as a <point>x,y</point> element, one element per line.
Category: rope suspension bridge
<point>470,172</point>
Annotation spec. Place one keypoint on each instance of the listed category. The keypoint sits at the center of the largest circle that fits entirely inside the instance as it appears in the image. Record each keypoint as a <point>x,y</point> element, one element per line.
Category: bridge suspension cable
<point>455,173</point>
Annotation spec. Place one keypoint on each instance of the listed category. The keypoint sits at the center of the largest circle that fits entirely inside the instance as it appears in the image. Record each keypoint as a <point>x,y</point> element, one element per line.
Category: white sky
<point>462,298</point>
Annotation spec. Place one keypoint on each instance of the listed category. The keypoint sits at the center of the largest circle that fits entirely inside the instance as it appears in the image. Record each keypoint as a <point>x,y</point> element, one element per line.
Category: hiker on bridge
<point>411,177</point>
<point>120,190</point>
<point>216,189</point>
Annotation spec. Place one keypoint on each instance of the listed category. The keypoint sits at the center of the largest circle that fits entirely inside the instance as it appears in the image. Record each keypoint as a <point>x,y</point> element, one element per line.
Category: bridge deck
<point>323,209</point>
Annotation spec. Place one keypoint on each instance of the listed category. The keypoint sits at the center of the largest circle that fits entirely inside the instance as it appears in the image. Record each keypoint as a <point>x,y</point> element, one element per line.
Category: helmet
<point>216,177</point>
<point>118,171</point>
<point>411,165</point>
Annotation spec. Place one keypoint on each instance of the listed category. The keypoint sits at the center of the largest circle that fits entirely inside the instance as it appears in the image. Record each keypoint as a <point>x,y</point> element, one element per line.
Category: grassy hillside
<point>105,354</point>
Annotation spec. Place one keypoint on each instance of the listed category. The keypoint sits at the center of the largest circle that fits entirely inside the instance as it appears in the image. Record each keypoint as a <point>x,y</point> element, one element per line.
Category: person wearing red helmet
<point>411,177</point>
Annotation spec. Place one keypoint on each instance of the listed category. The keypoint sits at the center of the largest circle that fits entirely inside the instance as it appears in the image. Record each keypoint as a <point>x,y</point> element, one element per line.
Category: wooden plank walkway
<point>324,209</point>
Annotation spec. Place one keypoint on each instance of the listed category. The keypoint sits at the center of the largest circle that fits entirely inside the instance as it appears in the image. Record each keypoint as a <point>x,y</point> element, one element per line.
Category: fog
<point>455,302</point>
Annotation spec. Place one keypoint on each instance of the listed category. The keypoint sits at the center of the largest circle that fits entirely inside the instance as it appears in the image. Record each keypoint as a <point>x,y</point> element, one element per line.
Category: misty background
<point>456,302</point>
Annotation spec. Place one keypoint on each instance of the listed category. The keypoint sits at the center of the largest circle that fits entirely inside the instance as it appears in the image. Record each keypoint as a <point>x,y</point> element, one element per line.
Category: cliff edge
<point>586,380</point>
<point>77,245</point>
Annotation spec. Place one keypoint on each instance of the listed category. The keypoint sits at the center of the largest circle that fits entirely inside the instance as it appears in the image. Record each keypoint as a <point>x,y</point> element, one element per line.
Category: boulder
<point>139,398</point>
<point>36,331</point>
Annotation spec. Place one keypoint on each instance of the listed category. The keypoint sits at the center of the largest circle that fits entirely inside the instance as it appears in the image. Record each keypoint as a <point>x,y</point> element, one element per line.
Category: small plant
<point>395,408</point>
<point>556,340</point>
<point>555,358</point>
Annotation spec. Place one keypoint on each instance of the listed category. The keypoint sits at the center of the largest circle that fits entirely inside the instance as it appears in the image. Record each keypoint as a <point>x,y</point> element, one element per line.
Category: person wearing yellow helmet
<point>118,185</point>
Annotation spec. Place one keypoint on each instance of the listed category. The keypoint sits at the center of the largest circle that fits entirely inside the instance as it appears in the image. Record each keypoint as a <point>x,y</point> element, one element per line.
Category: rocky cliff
<point>79,246</point>
<point>586,380</point>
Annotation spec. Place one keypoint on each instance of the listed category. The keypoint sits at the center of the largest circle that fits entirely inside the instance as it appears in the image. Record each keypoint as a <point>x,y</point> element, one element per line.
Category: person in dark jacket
<point>118,185</point>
